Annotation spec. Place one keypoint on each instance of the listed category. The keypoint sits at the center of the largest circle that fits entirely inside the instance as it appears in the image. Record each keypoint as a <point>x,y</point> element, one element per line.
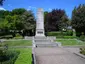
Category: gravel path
<point>57,56</point>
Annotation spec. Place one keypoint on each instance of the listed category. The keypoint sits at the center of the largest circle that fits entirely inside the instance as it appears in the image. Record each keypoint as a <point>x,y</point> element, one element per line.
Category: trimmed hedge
<point>67,34</point>
<point>69,37</point>
<point>54,33</point>
<point>6,37</point>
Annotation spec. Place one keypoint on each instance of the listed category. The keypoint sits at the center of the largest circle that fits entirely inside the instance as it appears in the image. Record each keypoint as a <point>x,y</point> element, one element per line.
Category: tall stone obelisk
<point>40,22</point>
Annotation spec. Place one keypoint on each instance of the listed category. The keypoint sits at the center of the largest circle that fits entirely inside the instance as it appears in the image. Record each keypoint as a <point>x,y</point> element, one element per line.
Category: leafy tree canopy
<point>55,20</point>
<point>18,11</point>
<point>78,18</point>
<point>17,19</point>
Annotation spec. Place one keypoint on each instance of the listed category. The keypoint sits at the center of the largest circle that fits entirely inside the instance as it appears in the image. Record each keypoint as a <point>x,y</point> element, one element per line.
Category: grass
<point>71,42</point>
<point>25,56</point>
<point>18,43</point>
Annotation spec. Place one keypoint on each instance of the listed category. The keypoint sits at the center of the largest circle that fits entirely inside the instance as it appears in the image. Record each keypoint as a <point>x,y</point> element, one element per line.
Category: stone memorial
<point>40,40</point>
<point>40,23</point>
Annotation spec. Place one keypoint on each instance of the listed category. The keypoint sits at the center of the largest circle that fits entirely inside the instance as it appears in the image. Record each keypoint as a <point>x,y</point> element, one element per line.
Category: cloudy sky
<point>47,5</point>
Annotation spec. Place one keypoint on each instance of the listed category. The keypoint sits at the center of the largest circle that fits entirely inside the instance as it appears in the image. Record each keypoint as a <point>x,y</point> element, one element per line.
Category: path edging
<point>81,55</point>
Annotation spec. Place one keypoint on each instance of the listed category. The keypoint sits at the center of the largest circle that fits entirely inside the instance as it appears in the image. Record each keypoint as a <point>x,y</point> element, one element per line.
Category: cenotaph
<point>40,40</point>
<point>40,23</point>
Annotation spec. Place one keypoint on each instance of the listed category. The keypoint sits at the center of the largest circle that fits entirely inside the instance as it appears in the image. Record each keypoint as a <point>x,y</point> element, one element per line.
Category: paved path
<point>57,56</point>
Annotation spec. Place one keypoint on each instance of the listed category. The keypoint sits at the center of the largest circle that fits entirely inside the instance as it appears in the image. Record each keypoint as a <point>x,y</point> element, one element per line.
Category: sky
<point>47,5</point>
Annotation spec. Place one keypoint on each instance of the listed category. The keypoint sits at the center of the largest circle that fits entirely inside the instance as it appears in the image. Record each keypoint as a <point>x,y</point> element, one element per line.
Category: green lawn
<point>69,42</point>
<point>25,56</point>
<point>18,43</point>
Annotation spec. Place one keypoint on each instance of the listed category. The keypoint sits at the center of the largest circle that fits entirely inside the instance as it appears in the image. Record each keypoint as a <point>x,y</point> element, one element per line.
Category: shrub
<point>82,51</point>
<point>12,56</point>
<point>78,33</point>
<point>64,33</point>
<point>8,57</point>
<point>69,32</point>
<point>18,36</point>
<point>3,33</point>
<point>82,37</point>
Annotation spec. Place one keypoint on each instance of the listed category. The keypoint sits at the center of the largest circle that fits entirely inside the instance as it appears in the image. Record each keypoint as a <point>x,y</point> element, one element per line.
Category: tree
<point>78,19</point>
<point>9,22</point>
<point>13,22</point>
<point>4,13</point>
<point>1,2</point>
<point>45,14</point>
<point>55,20</point>
<point>28,22</point>
<point>64,22</point>
<point>17,20</point>
<point>18,11</point>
